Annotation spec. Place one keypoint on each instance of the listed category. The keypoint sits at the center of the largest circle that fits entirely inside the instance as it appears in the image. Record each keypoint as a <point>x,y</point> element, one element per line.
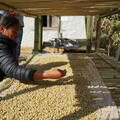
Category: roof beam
<point>62,5</point>
<point>109,13</point>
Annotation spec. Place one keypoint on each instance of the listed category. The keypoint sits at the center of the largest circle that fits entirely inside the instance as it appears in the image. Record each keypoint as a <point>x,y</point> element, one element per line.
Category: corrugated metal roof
<point>60,7</point>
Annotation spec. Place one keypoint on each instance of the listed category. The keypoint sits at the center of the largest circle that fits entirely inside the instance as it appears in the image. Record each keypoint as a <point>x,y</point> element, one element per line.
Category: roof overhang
<point>60,7</point>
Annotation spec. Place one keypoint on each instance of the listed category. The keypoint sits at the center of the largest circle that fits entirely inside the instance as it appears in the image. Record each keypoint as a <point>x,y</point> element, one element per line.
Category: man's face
<point>11,32</point>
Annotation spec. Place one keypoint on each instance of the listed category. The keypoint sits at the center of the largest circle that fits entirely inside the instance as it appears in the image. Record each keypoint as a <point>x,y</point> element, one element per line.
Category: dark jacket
<point>8,63</point>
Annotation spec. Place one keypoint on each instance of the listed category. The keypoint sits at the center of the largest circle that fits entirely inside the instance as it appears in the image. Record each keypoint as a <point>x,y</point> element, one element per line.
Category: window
<point>50,21</point>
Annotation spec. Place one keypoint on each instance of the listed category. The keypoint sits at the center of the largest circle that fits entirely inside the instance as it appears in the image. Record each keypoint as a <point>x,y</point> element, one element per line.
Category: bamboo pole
<point>117,56</point>
<point>89,33</point>
<point>38,35</point>
<point>59,28</point>
<point>98,34</point>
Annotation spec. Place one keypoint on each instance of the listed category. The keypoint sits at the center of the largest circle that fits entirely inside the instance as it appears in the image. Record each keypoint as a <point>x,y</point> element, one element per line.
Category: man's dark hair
<point>8,21</point>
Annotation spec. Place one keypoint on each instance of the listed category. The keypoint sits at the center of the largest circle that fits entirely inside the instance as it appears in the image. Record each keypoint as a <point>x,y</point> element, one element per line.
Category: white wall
<point>28,32</point>
<point>71,27</point>
<point>49,34</point>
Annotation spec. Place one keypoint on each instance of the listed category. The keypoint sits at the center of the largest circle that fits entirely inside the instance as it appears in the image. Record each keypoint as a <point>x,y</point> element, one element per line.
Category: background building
<point>72,27</point>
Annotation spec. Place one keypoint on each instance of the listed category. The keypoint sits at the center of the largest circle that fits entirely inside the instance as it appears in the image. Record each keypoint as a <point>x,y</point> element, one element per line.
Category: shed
<point>37,8</point>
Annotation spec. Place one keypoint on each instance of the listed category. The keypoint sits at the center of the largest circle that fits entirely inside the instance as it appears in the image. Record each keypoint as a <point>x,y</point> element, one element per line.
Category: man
<point>20,34</point>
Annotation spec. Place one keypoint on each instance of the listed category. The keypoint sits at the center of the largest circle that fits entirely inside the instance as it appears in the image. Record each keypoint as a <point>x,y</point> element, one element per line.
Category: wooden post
<point>48,21</point>
<point>38,35</point>
<point>89,33</point>
<point>117,56</point>
<point>59,28</point>
<point>98,34</point>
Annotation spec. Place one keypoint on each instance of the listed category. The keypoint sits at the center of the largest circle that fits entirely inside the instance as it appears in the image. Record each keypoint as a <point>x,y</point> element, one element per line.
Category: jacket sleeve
<point>10,67</point>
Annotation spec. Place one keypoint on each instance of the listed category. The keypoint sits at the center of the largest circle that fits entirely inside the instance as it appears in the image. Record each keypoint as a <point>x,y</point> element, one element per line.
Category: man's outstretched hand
<point>52,74</point>
<point>57,73</point>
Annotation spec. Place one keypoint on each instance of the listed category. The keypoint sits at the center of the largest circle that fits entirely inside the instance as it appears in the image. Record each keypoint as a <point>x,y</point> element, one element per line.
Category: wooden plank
<point>62,5</point>
<point>109,84</point>
<point>110,75</point>
<point>110,62</point>
<point>67,12</point>
<point>62,10</point>
<point>116,80</point>
<point>68,1</point>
